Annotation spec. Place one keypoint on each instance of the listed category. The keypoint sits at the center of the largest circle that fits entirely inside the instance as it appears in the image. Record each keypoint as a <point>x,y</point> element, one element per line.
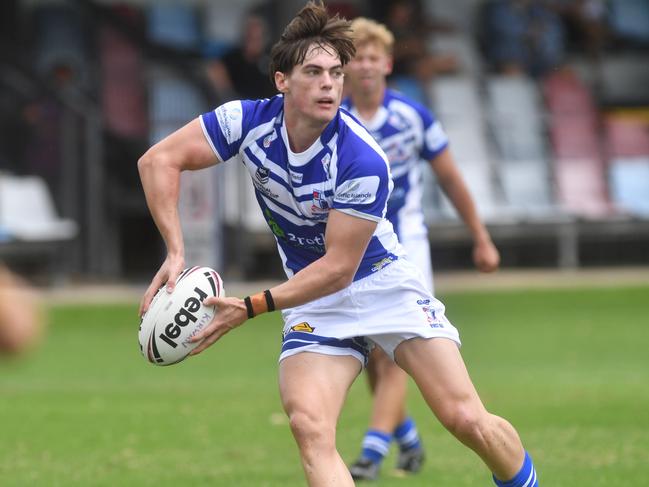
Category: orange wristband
<point>259,304</point>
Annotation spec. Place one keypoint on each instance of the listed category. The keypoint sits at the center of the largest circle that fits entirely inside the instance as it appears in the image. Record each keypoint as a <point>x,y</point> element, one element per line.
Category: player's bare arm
<point>160,168</point>
<point>346,240</point>
<point>485,254</point>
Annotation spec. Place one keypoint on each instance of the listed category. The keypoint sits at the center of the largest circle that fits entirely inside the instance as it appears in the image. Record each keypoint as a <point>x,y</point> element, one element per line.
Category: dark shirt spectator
<point>243,71</point>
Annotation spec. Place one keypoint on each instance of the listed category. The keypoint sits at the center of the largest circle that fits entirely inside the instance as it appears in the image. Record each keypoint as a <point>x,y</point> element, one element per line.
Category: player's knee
<point>311,431</point>
<point>465,422</point>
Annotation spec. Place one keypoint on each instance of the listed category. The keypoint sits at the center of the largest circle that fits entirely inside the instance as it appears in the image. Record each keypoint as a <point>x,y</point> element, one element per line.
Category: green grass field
<point>569,368</point>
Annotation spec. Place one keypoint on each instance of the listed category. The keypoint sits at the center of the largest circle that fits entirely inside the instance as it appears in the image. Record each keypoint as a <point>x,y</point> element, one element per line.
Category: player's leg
<point>439,371</point>
<point>405,434</point>
<point>388,384</point>
<point>313,388</point>
<point>20,317</point>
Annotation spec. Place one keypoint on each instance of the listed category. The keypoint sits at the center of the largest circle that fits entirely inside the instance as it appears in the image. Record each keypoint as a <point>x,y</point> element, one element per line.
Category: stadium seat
<point>456,104</point>
<point>515,118</point>
<point>173,25</point>
<point>630,19</point>
<point>582,187</point>
<point>27,211</point>
<point>627,137</point>
<point>629,180</point>
<point>172,103</point>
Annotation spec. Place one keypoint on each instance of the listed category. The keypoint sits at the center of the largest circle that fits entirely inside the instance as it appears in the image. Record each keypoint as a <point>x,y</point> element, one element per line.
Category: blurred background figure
<point>242,72</point>
<point>415,64</point>
<point>21,321</point>
<point>522,36</point>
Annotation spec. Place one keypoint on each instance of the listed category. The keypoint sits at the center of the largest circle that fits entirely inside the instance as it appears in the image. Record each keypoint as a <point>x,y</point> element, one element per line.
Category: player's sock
<point>526,477</point>
<point>376,445</point>
<point>406,435</point>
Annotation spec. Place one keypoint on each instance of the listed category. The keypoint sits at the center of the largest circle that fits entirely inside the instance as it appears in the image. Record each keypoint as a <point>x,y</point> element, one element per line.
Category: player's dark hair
<point>312,25</point>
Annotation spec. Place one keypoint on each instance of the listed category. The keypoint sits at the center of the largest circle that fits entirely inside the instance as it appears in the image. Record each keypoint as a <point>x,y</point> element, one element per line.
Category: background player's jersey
<point>408,133</point>
<point>344,169</point>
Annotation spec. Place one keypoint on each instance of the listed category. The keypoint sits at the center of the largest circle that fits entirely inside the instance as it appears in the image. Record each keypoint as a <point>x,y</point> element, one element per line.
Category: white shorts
<point>418,250</point>
<point>382,309</point>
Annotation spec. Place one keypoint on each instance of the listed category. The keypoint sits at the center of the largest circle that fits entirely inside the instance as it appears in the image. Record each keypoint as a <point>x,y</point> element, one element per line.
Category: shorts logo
<point>377,266</point>
<point>303,327</point>
<point>429,311</point>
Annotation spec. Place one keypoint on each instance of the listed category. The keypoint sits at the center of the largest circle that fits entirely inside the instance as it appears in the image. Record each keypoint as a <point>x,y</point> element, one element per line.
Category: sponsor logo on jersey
<point>274,227</point>
<point>377,266</point>
<point>228,116</point>
<point>316,243</point>
<point>296,177</point>
<point>303,327</point>
<point>423,301</point>
<point>262,176</point>
<point>358,191</point>
<point>397,122</point>
<point>269,138</point>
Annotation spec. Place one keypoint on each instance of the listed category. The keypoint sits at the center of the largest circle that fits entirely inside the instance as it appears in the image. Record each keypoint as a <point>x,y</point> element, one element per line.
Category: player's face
<point>313,89</point>
<point>366,72</point>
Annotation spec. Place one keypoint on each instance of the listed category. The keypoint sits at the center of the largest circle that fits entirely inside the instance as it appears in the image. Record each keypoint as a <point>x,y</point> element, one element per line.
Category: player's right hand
<point>166,276</point>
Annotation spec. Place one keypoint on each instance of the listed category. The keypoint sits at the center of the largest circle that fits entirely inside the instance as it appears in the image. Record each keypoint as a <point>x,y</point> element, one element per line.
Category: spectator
<point>243,72</point>
<point>522,36</point>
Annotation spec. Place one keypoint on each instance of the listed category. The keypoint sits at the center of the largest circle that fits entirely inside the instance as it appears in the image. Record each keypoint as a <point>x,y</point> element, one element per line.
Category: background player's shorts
<point>382,309</point>
<point>418,250</point>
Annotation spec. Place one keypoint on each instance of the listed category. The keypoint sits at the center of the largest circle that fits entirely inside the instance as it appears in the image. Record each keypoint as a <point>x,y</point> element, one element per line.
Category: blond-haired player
<point>409,134</point>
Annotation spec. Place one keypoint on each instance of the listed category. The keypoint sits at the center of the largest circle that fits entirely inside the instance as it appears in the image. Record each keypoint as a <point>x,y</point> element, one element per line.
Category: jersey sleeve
<point>225,127</point>
<point>435,139</point>
<point>363,183</point>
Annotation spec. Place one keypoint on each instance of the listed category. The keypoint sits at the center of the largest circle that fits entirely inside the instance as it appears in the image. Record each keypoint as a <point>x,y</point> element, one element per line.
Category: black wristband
<point>269,300</point>
<point>251,311</point>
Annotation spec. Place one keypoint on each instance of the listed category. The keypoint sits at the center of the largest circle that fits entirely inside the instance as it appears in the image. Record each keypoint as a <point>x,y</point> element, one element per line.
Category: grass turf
<point>568,368</point>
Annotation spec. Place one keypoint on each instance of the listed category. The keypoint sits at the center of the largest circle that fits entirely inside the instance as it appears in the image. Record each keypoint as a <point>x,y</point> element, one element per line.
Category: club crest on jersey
<point>262,174</point>
<point>320,204</point>
<point>304,327</point>
<point>269,138</point>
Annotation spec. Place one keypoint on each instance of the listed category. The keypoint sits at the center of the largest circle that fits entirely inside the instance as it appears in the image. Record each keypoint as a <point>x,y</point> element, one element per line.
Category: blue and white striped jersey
<point>345,169</point>
<point>407,132</point>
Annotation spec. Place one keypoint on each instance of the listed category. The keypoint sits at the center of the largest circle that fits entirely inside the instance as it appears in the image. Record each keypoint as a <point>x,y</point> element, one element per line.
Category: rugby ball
<point>173,319</point>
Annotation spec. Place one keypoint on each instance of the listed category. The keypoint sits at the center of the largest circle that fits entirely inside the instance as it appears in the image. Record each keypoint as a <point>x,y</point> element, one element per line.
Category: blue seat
<point>629,184</point>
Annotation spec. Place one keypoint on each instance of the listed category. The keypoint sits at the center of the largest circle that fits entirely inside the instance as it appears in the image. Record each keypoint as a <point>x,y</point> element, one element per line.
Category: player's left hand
<point>486,256</point>
<point>230,313</point>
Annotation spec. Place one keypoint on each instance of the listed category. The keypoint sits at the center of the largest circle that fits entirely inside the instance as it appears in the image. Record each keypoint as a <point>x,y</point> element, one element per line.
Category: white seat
<point>27,211</point>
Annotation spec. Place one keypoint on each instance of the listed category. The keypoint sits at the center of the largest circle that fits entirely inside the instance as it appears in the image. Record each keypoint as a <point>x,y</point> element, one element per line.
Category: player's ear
<point>281,82</point>
<point>389,65</point>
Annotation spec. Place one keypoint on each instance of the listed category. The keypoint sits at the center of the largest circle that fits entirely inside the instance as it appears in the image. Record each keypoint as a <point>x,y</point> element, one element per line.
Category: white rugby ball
<point>172,319</point>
